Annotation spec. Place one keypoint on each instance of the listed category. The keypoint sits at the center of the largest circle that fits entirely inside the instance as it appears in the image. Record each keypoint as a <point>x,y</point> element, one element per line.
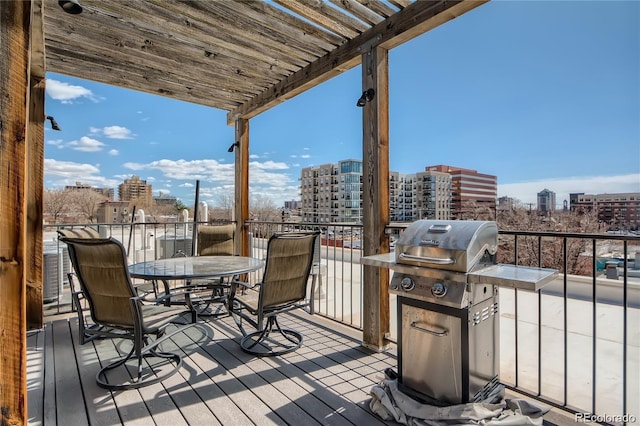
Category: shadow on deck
<point>327,381</point>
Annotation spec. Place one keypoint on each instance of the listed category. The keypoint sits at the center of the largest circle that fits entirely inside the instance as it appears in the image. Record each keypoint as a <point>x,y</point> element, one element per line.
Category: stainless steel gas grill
<point>446,279</point>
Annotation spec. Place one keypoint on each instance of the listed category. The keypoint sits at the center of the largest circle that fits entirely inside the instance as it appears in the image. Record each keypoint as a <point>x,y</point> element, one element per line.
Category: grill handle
<point>437,260</point>
<point>439,333</point>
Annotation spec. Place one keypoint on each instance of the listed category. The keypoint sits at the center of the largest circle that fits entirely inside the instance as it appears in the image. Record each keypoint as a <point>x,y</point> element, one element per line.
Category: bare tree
<point>223,208</point>
<point>263,209</point>
<point>547,251</point>
<point>57,203</point>
<point>86,201</point>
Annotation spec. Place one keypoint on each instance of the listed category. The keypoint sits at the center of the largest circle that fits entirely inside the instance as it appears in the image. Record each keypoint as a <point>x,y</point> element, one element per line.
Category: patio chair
<point>216,240</point>
<point>213,240</point>
<point>78,302</point>
<point>283,288</point>
<point>101,269</point>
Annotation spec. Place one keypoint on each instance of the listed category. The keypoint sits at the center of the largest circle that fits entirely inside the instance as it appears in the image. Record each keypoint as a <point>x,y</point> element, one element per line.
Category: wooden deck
<point>326,381</point>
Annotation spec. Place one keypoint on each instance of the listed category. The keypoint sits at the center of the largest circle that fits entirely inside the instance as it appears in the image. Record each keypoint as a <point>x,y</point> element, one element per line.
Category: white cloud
<point>62,173</point>
<point>117,132</point>
<point>67,93</point>
<point>112,132</point>
<point>527,192</point>
<point>268,165</point>
<point>86,144</point>
<point>305,156</point>
<point>56,142</point>
<point>268,178</point>
<point>208,170</point>
<point>113,152</point>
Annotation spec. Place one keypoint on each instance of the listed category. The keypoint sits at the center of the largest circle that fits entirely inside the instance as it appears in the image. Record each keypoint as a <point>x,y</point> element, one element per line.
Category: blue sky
<point>542,94</point>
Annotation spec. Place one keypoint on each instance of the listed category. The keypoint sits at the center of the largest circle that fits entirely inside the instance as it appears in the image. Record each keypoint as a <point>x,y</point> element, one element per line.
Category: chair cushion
<point>216,240</point>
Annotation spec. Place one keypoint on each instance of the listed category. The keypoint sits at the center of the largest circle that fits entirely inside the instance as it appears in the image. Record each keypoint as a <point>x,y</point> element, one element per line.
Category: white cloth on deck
<point>389,403</point>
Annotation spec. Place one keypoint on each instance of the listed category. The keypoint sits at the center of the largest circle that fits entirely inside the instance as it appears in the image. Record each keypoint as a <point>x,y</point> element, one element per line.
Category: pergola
<point>241,56</point>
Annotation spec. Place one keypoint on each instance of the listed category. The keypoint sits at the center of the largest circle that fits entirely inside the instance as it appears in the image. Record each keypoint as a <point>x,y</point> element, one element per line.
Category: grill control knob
<point>407,284</point>
<point>439,290</point>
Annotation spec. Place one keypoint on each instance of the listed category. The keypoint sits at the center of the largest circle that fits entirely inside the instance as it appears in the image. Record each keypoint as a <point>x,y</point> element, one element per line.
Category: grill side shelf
<point>522,277</point>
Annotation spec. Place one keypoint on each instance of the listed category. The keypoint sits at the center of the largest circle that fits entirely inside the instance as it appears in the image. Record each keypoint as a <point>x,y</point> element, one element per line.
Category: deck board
<point>35,371</point>
<point>218,383</point>
<point>49,379</point>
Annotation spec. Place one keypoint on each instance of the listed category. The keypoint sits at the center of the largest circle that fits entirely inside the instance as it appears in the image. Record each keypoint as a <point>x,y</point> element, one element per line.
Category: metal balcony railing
<point>574,345</point>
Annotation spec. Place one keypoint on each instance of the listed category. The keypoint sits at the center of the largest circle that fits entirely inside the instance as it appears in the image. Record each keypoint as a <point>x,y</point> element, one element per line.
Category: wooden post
<point>15,27</point>
<point>241,210</point>
<point>375,195</point>
<point>35,178</point>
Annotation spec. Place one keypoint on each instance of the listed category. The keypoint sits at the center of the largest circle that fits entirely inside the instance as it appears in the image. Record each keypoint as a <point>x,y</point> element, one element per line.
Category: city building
<point>135,189</point>
<point>546,201</point>
<point>318,191</point>
<point>433,195</point>
<point>292,205</point>
<point>506,203</point>
<point>108,193</point>
<point>471,192</point>
<point>620,210</point>
<point>332,193</point>
<point>163,199</point>
<point>113,212</point>
<point>350,191</point>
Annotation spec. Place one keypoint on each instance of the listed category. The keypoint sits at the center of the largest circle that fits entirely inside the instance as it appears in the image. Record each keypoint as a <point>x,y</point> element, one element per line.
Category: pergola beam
<point>412,21</point>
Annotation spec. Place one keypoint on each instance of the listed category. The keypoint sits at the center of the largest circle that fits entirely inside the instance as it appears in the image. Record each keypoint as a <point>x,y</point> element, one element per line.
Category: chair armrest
<point>236,283</point>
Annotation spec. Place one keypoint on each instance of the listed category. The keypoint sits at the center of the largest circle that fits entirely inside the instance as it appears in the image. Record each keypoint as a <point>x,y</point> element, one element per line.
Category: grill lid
<point>455,245</point>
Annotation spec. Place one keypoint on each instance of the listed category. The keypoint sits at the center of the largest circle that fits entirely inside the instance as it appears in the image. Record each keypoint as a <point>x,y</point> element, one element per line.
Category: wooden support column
<point>35,178</point>
<point>241,208</point>
<point>375,195</point>
<point>15,28</point>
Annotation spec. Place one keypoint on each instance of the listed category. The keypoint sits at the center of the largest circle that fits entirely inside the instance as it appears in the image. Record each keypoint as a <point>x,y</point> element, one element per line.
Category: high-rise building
<point>135,189</point>
<point>433,195</point>
<point>350,191</point>
<point>319,193</point>
<point>332,193</point>
<point>470,191</point>
<point>546,201</point>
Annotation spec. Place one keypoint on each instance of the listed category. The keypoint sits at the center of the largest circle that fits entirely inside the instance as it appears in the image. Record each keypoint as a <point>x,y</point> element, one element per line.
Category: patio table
<point>194,268</point>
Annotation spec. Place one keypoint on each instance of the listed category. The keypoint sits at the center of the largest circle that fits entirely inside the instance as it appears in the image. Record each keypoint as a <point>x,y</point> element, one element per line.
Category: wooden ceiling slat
<point>227,57</point>
<point>331,40</point>
<point>154,55</point>
<point>321,15</point>
<point>379,7</point>
<point>255,26</point>
<point>360,11</point>
<point>165,20</point>
<point>400,4</point>
<point>156,83</point>
<point>336,15</point>
<point>240,55</point>
<point>211,17</point>
<point>410,22</point>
